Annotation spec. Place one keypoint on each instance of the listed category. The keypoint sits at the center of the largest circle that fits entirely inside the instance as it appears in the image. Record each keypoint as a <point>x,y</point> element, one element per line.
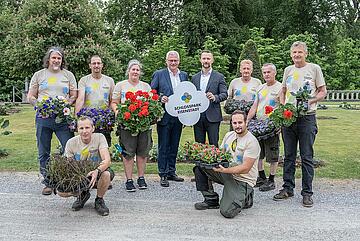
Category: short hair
<point>84,118</point>
<point>238,112</point>
<point>172,52</point>
<point>94,56</point>
<point>246,61</point>
<point>269,65</point>
<point>131,63</point>
<point>205,51</point>
<point>299,44</point>
<point>51,50</point>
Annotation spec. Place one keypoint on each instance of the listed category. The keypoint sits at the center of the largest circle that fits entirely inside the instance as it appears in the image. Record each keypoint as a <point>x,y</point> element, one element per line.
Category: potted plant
<point>232,104</point>
<point>283,115</point>
<point>140,110</point>
<point>262,129</point>
<point>207,156</point>
<point>68,176</point>
<point>103,119</point>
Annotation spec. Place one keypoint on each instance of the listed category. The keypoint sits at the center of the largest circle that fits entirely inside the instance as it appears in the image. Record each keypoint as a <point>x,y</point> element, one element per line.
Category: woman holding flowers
<point>140,143</point>
<point>52,91</point>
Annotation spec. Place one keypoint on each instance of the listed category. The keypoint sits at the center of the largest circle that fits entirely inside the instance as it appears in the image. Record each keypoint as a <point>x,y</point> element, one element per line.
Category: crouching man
<point>91,146</point>
<point>239,179</point>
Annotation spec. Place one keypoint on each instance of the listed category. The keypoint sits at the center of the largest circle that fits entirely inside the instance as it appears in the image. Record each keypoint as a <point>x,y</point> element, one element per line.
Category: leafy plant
<point>103,119</point>
<point>4,124</point>
<point>262,128</point>
<point>302,97</point>
<point>140,111</point>
<point>283,115</point>
<point>58,108</point>
<point>206,153</point>
<point>232,104</point>
<point>67,175</point>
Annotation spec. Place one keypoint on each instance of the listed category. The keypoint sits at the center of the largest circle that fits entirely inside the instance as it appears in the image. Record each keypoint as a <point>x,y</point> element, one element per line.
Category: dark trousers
<point>44,131</point>
<point>203,127</point>
<point>304,131</point>
<point>168,144</point>
<point>236,195</point>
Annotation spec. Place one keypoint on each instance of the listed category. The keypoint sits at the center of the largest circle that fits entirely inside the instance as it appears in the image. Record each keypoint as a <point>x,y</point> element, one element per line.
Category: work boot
<point>81,200</point>
<point>100,206</point>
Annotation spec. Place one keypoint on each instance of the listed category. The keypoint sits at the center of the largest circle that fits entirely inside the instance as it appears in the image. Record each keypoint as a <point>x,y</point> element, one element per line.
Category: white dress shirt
<point>175,79</point>
<point>204,80</point>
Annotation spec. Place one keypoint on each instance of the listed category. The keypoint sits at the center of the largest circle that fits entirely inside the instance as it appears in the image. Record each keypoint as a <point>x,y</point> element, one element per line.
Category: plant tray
<point>211,165</point>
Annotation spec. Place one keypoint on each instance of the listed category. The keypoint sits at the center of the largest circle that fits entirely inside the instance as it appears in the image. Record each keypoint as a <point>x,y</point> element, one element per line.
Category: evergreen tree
<point>250,52</point>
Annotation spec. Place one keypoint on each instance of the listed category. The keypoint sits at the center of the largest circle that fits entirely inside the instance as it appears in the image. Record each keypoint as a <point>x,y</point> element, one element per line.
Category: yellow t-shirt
<point>295,78</point>
<point>97,91</point>
<point>48,84</point>
<point>78,150</point>
<point>124,86</point>
<point>240,148</point>
<point>243,91</point>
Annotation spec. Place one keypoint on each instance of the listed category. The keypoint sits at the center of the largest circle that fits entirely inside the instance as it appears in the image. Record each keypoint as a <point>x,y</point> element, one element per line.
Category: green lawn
<point>337,144</point>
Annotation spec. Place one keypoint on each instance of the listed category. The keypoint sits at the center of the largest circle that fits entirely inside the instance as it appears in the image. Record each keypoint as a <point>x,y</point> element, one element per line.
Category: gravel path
<point>168,214</point>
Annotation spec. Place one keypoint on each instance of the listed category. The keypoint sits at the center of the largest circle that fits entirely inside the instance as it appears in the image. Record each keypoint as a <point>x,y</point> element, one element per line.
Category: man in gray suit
<point>213,84</point>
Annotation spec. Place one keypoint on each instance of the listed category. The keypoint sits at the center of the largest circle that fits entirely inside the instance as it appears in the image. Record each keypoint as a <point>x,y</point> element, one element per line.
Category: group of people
<point>246,169</point>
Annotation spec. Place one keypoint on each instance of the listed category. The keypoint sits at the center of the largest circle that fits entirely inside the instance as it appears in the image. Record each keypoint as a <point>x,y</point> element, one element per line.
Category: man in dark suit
<point>169,128</point>
<point>213,84</point>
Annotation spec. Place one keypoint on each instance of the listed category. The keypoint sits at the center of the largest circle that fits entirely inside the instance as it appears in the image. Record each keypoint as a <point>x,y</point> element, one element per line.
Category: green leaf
<point>5,124</point>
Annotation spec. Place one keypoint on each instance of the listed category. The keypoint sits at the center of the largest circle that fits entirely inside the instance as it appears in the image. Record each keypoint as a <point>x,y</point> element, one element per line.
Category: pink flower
<point>66,111</point>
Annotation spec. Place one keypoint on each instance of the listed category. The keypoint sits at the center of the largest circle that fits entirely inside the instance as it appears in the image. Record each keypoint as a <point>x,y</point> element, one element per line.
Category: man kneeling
<point>239,179</point>
<point>91,146</point>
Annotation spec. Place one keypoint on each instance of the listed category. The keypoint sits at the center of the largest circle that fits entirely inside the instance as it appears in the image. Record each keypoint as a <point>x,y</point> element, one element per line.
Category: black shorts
<point>270,149</point>
<point>112,174</point>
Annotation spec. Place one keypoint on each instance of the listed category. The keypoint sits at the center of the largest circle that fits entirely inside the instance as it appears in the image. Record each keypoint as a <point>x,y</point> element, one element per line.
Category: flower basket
<point>103,119</point>
<point>58,108</point>
<point>68,176</point>
<point>232,104</point>
<point>262,129</point>
<point>283,115</point>
<point>205,155</point>
<point>140,110</point>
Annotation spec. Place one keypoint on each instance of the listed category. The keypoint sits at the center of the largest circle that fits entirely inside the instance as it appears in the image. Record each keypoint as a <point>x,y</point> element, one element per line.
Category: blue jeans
<point>44,130</point>
<point>303,131</point>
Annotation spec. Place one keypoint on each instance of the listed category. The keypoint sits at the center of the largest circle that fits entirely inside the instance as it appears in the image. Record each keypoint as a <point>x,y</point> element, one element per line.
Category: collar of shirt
<point>175,79</point>
<point>208,74</point>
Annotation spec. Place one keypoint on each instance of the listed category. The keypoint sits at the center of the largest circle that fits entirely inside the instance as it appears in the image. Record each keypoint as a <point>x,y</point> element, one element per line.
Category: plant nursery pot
<point>210,166</point>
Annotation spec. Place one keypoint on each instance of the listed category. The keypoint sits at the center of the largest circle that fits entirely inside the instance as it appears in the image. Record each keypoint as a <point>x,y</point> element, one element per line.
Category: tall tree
<point>75,25</point>
<point>250,52</point>
<point>140,21</point>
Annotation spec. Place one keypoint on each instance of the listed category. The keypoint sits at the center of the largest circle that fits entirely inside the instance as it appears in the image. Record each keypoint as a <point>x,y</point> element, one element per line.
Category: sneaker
<point>80,201</point>
<point>282,195</point>
<point>307,201</point>
<point>267,186</point>
<point>47,191</point>
<point>130,186</point>
<point>100,207</point>
<point>141,183</point>
<point>249,200</point>
<point>204,206</point>
<point>260,181</point>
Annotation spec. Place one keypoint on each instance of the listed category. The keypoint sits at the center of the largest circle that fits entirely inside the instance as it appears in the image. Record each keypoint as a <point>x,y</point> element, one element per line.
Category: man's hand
<point>210,96</point>
<point>220,169</point>
<point>93,175</point>
<point>164,99</point>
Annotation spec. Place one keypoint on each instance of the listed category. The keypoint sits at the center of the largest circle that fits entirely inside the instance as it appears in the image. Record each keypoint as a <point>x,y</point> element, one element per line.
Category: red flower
<point>145,111</point>
<point>146,103</point>
<point>133,98</point>
<point>287,114</point>
<point>268,109</point>
<point>132,108</point>
<point>146,95</point>
<point>139,103</point>
<point>153,91</point>
<point>129,95</point>
<point>155,97</point>
<point>139,93</point>
<point>127,115</point>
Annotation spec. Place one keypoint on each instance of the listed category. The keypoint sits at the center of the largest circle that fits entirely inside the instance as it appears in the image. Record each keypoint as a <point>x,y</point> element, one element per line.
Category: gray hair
<point>269,65</point>
<point>51,50</point>
<point>131,63</point>
<point>173,52</point>
<point>299,44</point>
<point>84,118</point>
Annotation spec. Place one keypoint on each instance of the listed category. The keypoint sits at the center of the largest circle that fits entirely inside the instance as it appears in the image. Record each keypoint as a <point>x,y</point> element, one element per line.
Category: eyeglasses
<point>172,60</point>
